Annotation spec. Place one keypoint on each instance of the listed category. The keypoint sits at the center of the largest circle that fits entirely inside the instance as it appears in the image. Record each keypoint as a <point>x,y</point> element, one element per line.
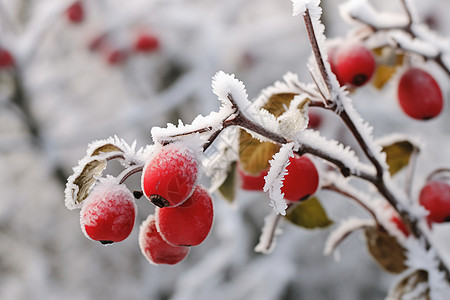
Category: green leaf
<point>398,155</point>
<point>228,187</point>
<point>309,214</point>
<point>386,250</point>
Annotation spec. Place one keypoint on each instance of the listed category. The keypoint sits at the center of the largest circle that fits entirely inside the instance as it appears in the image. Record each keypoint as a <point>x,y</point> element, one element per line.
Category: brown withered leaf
<point>309,214</point>
<point>86,180</point>
<point>105,149</point>
<point>386,250</point>
<point>398,155</point>
<point>228,187</point>
<point>254,155</point>
<point>414,283</point>
<point>278,103</point>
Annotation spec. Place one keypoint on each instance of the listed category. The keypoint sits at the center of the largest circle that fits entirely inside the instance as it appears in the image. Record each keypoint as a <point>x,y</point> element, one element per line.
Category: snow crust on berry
<point>345,228</point>
<point>275,176</point>
<point>332,148</point>
<point>108,196</point>
<point>268,238</point>
<point>363,10</point>
<point>418,258</point>
<point>219,156</point>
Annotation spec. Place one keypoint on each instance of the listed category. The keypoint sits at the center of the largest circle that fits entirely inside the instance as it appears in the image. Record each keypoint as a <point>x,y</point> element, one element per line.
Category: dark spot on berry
<point>159,201</point>
<point>447,219</point>
<point>106,242</point>
<point>426,118</point>
<point>137,194</point>
<point>359,79</point>
<point>305,197</point>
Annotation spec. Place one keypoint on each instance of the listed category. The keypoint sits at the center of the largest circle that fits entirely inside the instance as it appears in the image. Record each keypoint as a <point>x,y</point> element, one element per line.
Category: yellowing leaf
<point>386,250</point>
<point>278,103</point>
<point>309,214</point>
<point>382,75</point>
<point>398,155</point>
<point>388,60</point>
<point>228,187</point>
<point>254,155</point>
<point>84,182</point>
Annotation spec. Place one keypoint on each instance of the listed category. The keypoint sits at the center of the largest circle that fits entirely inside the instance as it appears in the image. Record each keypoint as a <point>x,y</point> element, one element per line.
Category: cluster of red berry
<point>183,216</point>
<point>144,42</point>
<point>301,181</point>
<point>418,93</point>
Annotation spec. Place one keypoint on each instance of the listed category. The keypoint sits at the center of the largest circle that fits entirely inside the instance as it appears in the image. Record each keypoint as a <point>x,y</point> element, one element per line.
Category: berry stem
<point>129,171</point>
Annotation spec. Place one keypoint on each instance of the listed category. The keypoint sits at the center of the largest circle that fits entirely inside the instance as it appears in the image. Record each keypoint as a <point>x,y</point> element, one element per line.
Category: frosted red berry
<point>252,182</point>
<point>170,175</point>
<point>155,249</point>
<point>331,60</point>
<point>435,197</point>
<point>108,213</point>
<point>355,64</point>
<point>6,59</point>
<point>146,42</point>
<point>189,223</point>
<point>302,179</point>
<point>419,94</point>
<point>75,12</point>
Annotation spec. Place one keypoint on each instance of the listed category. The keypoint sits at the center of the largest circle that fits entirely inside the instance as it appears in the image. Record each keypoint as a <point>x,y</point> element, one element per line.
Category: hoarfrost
<point>269,233</point>
<point>345,228</point>
<point>275,176</point>
<point>294,119</point>
<point>421,259</point>
<point>332,148</point>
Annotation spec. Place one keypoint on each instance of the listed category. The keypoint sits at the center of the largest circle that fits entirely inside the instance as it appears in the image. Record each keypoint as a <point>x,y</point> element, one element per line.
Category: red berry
<point>251,182</point>
<point>314,120</point>
<point>6,59</point>
<point>75,12</point>
<point>108,213</point>
<point>435,197</point>
<point>419,94</point>
<point>331,60</point>
<point>146,42</point>
<point>155,249</point>
<point>355,64</point>
<point>189,223</point>
<point>115,56</point>
<point>302,179</point>
<point>170,175</point>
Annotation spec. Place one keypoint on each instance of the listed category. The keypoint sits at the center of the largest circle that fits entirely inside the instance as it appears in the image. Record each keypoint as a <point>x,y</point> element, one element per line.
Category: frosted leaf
<point>91,167</point>
<point>398,137</point>
<point>295,118</point>
<point>421,259</point>
<point>269,232</point>
<point>218,157</point>
<point>343,231</point>
<point>225,85</point>
<point>275,176</point>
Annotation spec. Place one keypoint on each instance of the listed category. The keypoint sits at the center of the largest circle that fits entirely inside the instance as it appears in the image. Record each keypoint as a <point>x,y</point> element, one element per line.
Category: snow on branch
<point>275,176</point>
<point>269,232</point>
